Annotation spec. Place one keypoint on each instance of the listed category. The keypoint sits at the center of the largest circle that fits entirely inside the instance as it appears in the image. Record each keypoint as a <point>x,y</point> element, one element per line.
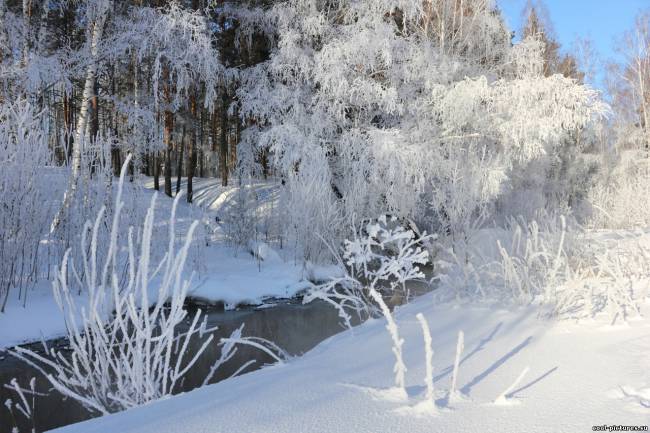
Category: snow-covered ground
<point>225,273</point>
<point>578,374</point>
<point>581,375</point>
<point>229,279</point>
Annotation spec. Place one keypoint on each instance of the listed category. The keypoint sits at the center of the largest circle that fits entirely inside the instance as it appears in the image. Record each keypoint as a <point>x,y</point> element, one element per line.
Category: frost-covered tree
<point>419,109</point>
<point>618,198</point>
<point>90,74</point>
<point>184,58</point>
<point>631,84</point>
<point>538,25</point>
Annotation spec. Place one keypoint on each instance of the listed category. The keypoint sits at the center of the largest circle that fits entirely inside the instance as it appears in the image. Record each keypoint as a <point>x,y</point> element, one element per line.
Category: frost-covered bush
<point>241,217</point>
<point>31,186</point>
<point>129,334</point>
<point>310,214</point>
<point>560,182</point>
<point>534,262</point>
<point>523,262</point>
<point>96,191</point>
<point>125,349</point>
<point>611,278</point>
<point>26,181</point>
<point>554,263</point>
<point>251,216</point>
<point>619,200</point>
<point>379,261</point>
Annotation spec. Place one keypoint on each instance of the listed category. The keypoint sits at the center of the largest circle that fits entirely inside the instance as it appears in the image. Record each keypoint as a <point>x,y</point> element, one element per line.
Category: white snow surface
<point>581,375</point>
<point>40,318</point>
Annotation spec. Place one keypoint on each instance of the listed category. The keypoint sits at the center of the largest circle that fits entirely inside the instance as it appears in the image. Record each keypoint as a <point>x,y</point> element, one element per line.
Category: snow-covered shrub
<point>240,220</point>
<point>525,262</point>
<point>522,262</point>
<point>130,335</point>
<point>559,182</point>
<point>96,192</point>
<point>125,346</point>
<point>31,187</point>
<point>567,271</point>
<point>619,200</point>
<point>611,278</point>
<point>380,260</point>
<point>26,182</point>
<point>311,214</point>
<point>534,262</point>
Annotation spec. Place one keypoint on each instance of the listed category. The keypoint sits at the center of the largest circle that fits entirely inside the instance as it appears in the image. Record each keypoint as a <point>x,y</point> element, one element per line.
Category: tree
<point>632,93</point>
<point>98,11</point>
<point>538,26</point>
<point>399,114</point>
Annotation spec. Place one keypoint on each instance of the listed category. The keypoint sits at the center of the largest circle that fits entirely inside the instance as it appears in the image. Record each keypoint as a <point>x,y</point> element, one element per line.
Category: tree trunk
<point>234,143</point>
<point>167,133</point>
<point>223,141</point>
<point>67,124</point>
<point>201,145</point>
<point>156,171</point>
<point>179,163</point>
<point>215,121</point>
<point>191,156</point>
<point>27,36</point>
<point>264,161</point>
<point>4,37</point>
<point>94,112</point>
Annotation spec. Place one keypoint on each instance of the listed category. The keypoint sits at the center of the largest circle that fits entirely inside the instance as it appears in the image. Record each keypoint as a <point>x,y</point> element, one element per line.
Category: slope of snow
<point>241,279</point>
<point>580,375</point>
<point>40,318</point>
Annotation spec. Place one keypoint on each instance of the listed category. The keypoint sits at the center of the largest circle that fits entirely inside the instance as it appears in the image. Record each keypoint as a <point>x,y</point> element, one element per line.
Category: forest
<point>254,215</point>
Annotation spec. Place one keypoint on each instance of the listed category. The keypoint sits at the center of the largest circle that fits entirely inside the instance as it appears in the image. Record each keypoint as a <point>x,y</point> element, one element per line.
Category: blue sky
<point>602,21</point>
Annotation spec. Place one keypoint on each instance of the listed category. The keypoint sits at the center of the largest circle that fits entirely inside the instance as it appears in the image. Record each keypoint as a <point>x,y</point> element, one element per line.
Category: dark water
<point>294,327</point>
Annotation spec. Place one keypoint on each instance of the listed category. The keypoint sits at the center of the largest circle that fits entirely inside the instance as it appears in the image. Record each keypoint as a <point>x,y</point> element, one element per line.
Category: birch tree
<point>98,11</point>
<point>635,76</point>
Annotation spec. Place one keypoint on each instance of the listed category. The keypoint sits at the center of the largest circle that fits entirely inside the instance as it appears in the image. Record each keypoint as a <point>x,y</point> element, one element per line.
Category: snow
<point>577,376</point>
<point>322,273</point>
<point>241,279</point>
<point>45,319</point>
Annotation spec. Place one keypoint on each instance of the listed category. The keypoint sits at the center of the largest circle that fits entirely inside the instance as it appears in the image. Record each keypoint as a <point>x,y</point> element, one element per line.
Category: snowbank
<point>580,375</point>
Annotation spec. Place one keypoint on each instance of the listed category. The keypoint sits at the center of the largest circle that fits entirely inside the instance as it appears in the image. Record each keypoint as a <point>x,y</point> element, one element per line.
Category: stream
<point>294,327</point>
